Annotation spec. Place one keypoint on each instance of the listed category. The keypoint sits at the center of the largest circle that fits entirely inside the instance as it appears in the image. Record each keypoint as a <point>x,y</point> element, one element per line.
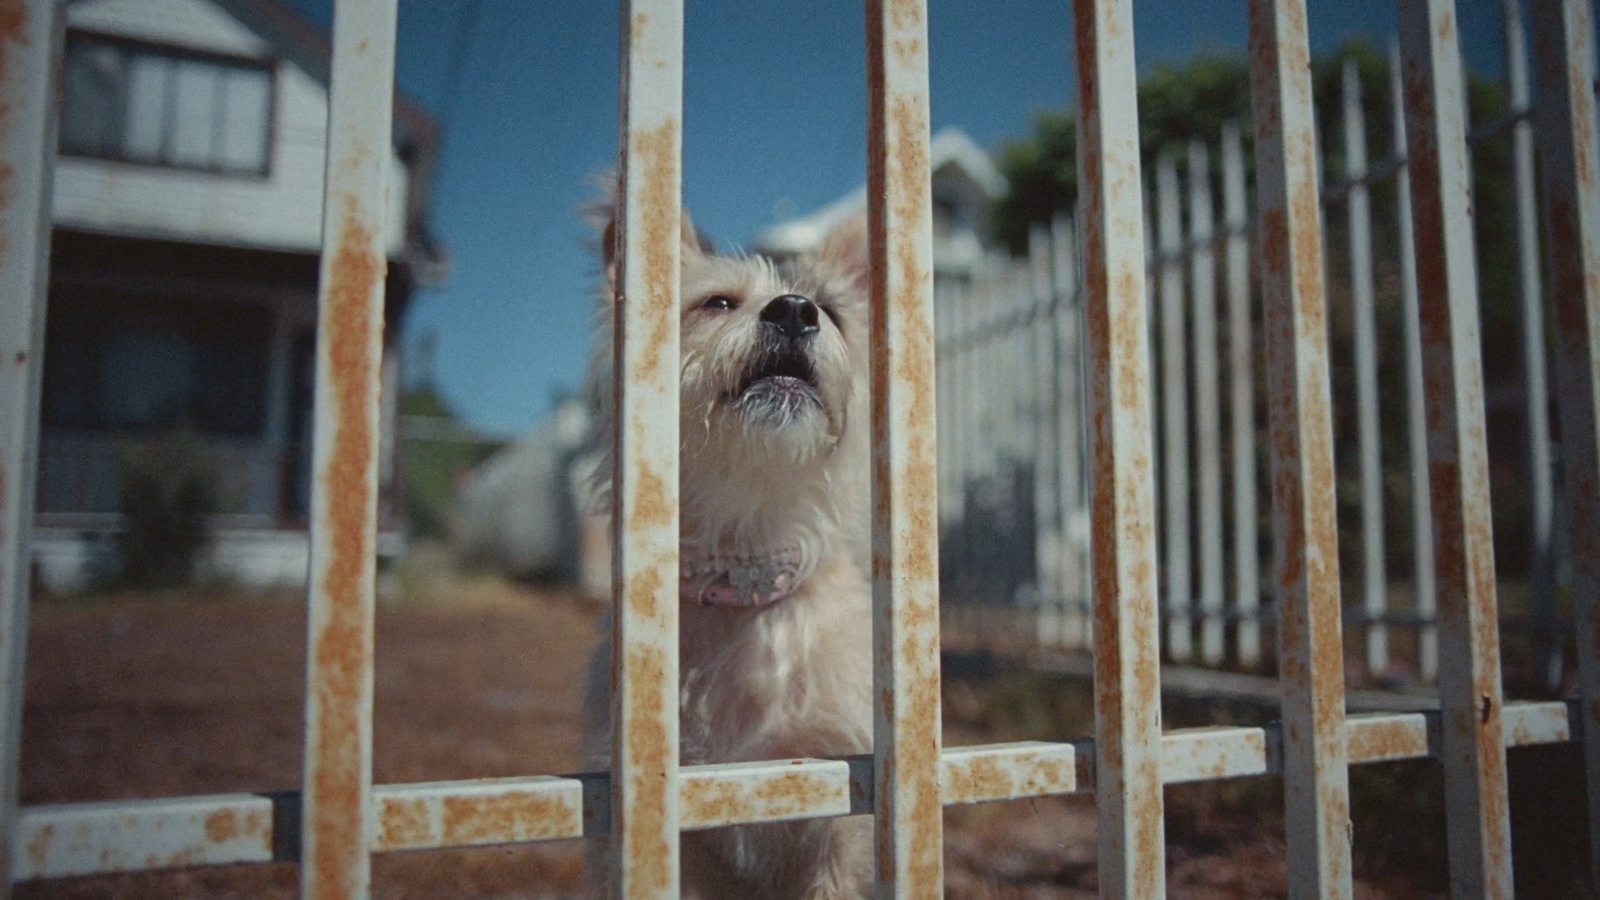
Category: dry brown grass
<point>200,692</point>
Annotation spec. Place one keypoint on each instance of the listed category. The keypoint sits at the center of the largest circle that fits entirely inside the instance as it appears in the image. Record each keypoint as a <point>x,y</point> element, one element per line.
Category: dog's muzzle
<point>782,381</point>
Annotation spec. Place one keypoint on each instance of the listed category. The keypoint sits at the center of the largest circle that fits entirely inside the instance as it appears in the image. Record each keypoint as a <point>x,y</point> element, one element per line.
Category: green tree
<point>434,459</point>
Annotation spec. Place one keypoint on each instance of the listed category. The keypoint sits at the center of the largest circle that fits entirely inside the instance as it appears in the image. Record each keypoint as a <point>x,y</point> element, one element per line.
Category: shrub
<point>168,488</point>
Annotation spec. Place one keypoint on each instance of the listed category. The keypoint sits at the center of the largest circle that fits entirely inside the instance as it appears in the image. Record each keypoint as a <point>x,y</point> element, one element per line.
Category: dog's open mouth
<point>779,387</point>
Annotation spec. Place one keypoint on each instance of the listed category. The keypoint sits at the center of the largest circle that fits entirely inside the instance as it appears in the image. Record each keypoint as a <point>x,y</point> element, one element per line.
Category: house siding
<point>281,211</point>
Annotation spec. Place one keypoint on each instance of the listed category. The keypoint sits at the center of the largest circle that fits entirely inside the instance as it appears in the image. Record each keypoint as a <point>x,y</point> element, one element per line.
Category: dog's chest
<point>781,686</point>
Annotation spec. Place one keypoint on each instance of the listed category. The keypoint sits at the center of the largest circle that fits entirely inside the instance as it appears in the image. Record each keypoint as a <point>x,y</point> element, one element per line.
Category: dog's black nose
<point>792,315</point>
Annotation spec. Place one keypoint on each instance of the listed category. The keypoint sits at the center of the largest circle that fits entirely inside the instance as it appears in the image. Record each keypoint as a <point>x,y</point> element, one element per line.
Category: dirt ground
<point>200,692</point>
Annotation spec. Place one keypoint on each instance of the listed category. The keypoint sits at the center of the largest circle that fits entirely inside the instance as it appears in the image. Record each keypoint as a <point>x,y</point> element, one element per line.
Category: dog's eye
<point>719,302</point>
<point>832,314</point>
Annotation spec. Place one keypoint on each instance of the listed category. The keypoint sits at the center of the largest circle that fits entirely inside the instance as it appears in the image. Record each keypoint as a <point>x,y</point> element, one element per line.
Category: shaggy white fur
<point>766,469</point>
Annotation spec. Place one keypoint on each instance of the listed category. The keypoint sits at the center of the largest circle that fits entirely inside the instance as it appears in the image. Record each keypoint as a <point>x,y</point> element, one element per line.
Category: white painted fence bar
<point>1564,51</point>
<point>1477,814</point>
<point>337,822</point>
<point>645,801</point>
<point>1048,509</point>
<point>946,328</point>
<point>1530,297</point>
<point>1127,657</point>
<point>1207,401</point>
<point>1305,527</point>
<point>1178,587</point>
<point>1424,584</point>
<point>30,52</point>
<point>905,540</point>
<point>1012,355</point>
<point>1374,586</point>
<point>1072,436</point>
<point>1241,403</point>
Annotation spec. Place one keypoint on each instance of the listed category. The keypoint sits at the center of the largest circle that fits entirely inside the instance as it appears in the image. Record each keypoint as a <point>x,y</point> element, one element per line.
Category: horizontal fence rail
<point>1046,401</point>
<point>76,839</point>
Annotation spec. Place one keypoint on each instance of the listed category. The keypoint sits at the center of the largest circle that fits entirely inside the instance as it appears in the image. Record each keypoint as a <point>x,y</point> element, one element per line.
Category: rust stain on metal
<point>1148,814</point>
<point>342,648</point>
<point>905,14</point>
<point>222,826</point>
<point>14,21</point>
<point>1386,740</point>
<point>644,592</point>
<point>176,860</point>
<point>39,845</point>
<point>1582,123</point>
<point>13,30</point>
<point>722,801</point>
<point>644,827</point>
<point>651,506</point>
<point>468,820</point>
<point>658,170</point>
<point>404,823</point>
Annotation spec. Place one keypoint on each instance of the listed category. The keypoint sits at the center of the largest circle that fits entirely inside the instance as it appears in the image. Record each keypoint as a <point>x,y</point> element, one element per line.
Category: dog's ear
<point>604,214</point>
<point>844,250</point>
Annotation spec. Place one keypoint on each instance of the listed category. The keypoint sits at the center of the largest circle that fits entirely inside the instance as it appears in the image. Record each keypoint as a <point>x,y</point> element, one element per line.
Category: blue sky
<point>774,125</point>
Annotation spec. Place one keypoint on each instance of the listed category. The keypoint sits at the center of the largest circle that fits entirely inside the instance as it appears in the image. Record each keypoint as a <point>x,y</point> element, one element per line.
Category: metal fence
<point>339,818</point>
<point>1013,415</point>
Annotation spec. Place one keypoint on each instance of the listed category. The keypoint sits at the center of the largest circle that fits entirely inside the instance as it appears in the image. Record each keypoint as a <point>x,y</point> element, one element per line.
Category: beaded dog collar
<point>740,580</point>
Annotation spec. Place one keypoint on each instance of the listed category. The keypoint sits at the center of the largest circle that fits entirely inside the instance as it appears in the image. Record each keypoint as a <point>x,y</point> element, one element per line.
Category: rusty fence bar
<point>644,792</point>
<point>909,825</point>
<point>30,47</point>
<point>1458,464</point>
<point>1305,528</point>
<point>1565,54</point>
<point>1127,658</point>
<point>340,602</point>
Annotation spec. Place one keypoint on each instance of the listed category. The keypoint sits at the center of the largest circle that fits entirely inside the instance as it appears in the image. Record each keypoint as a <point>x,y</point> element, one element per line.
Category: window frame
<point>197,323</point>
<point>268,65</point>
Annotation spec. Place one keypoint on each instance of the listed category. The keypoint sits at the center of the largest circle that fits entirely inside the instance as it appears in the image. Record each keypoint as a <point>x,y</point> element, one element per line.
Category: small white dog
<point>775,646</point>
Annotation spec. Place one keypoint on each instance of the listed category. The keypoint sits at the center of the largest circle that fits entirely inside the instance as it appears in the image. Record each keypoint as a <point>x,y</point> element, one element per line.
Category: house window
<point>143,103</point>
<point>172,364</point>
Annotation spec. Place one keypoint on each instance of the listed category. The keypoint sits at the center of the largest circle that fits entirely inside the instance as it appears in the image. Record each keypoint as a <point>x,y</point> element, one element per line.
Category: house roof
<point>951,147</point>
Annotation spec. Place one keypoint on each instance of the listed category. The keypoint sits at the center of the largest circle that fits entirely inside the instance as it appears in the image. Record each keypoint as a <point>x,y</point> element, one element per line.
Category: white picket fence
<point>1013,434</point>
